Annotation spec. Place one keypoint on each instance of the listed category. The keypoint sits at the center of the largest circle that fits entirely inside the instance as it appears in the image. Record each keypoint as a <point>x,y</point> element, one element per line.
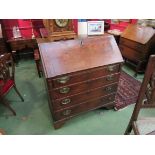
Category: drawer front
<point>131,54</point>
<point>90,105</point>
<point>133,45</point>
<point>83,76</point>
<point>79,98</point>
<point>18,45</point>
<point>84,86</point>
<point>15,46</point>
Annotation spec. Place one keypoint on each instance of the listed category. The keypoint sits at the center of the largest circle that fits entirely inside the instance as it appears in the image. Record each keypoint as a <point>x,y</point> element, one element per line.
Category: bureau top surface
<point>70,56</point>
<point>137,33</point>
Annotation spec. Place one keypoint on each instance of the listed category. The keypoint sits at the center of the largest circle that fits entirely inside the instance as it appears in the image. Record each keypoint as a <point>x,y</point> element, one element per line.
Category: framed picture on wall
<point>95,27</point>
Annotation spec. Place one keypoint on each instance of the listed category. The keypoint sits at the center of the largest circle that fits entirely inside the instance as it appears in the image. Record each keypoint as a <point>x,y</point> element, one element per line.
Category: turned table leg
<point>15,57</point>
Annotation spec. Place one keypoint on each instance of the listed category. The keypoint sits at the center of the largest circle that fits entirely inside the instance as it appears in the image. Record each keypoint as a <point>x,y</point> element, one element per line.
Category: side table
<point>21,43</point>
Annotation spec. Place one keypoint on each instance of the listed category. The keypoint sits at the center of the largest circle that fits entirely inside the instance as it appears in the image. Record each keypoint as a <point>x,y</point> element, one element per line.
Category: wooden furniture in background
<point>146,99</point>
<point>20,44</point>
<point>80,75</point>
<point>64,30</point>
<point>137,43</point>
<point>7,79</point>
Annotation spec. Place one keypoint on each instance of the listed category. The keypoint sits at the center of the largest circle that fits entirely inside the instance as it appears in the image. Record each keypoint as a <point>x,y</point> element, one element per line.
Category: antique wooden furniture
<point>60,28</point>
<point>81,75</point>
<point>7,79</point>
<point>21,43</point>
<point>136,44</point>
<point>146,99</point>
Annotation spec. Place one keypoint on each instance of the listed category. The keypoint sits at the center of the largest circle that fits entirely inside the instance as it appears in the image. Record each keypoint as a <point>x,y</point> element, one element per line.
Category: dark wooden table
<point>21,43</point>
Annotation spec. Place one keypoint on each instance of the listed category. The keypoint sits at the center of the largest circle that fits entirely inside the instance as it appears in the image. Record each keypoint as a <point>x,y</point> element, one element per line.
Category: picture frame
<point>95,27</point>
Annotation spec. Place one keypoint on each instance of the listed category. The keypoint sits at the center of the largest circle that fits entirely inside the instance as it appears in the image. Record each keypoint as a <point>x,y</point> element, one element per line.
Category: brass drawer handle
<point>64,90</point>
<point>110,78</point>
<point>108,89</point>
<point>111,68</point>
<point>66,101</point>
<point>63,79</point>
<point>67,112</point>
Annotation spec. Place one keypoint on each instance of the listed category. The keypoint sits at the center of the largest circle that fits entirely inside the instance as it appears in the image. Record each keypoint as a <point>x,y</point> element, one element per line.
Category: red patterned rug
<point>128,90</point>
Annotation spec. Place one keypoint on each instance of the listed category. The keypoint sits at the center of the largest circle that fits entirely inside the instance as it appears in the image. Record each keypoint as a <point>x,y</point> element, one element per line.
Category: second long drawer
<point>84,86</point>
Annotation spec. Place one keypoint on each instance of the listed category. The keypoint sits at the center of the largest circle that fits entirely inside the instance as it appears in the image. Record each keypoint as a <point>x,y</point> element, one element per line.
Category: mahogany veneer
<point>80,75</point>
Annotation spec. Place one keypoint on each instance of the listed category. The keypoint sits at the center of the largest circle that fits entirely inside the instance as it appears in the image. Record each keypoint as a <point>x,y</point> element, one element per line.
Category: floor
<point>33,115</point>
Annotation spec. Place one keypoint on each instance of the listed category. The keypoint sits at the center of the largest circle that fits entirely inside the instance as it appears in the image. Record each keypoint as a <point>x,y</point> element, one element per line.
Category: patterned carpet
<point>128,90</point>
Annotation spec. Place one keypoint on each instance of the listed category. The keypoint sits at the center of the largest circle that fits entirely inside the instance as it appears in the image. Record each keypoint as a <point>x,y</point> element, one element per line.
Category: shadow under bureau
<point>80,75</point>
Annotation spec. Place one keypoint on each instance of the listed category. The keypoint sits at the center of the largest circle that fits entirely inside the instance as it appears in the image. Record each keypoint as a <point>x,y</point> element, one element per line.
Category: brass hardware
<point>67,112</point>
<point>111,68</point>
<point>110,78</point>
<point>108,89</point>
<point>63,79</point>
<point>64,90</point>
<point>65,101</point>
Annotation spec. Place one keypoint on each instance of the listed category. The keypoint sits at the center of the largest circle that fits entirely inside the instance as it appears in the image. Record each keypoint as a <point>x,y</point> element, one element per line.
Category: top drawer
<point>20,44</point>
<point>82,76</point>
<point>134,45</point>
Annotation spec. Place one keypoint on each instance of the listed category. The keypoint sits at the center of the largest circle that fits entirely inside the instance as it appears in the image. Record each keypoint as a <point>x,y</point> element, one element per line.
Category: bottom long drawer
<point>83,107</point>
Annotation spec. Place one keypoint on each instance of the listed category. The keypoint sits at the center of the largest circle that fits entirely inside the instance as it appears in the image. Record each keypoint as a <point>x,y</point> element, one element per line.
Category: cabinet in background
<point>137,43</point>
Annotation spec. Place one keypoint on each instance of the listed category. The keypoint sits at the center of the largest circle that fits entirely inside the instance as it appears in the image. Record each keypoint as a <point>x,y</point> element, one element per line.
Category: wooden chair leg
<point>5,103</point>
<point>18,93</point>
<point>128,130</point>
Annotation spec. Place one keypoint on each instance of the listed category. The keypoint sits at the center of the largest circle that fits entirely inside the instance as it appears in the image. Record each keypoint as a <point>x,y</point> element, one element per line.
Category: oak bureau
<point>80,75</point>
<point>137,43</point>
